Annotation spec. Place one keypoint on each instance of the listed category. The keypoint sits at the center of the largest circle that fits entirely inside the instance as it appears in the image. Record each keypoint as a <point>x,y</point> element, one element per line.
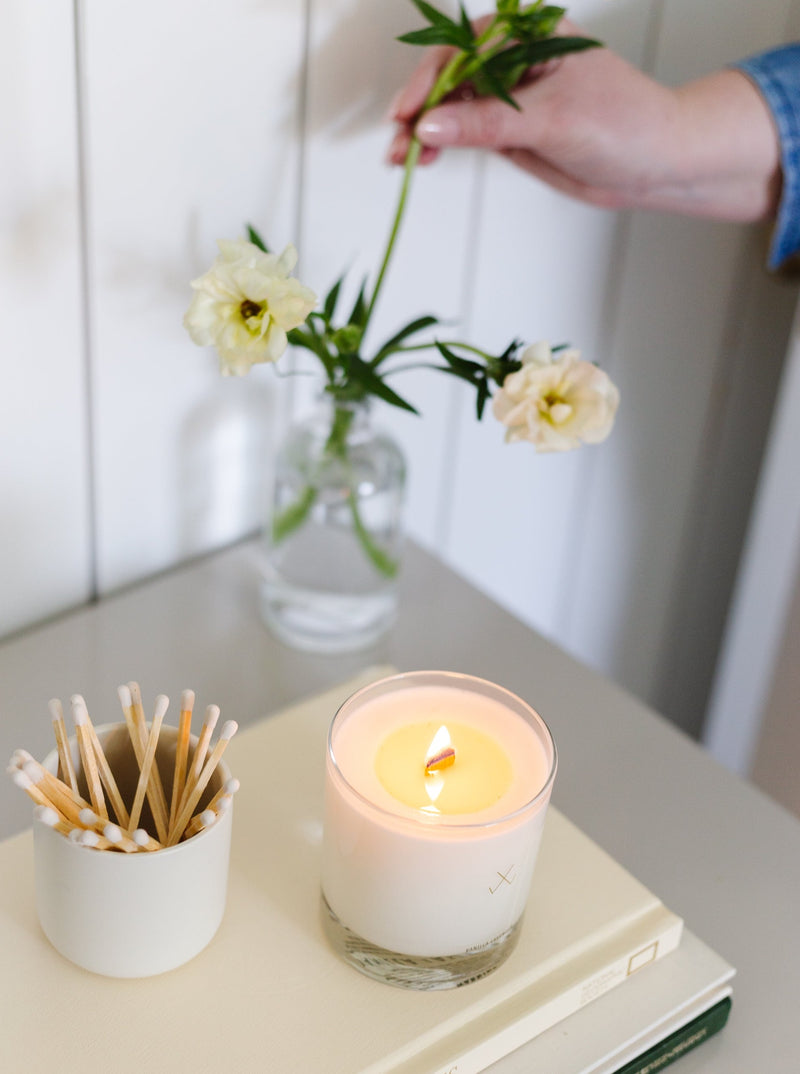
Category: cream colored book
<point>268,994</point>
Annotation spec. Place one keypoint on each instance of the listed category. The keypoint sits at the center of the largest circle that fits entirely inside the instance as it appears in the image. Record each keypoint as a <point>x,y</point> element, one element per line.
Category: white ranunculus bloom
<point>245,304</point>
<point>556,401</point>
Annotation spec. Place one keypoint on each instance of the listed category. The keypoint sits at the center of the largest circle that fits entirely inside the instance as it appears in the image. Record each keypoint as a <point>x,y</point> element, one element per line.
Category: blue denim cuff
<point>777,75</point>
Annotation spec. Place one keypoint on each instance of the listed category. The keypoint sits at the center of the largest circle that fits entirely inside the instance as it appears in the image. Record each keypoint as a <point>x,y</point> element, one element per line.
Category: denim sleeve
<point>777,75</point>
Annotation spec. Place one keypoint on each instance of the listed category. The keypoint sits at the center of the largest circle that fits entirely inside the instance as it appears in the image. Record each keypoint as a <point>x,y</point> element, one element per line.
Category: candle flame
<point>440,752</point>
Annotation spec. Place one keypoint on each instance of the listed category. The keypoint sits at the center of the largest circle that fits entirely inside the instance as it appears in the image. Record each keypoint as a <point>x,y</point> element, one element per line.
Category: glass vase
<point>334,533</point>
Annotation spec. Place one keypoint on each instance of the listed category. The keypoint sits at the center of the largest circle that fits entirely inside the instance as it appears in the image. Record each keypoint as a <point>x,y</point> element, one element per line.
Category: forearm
<point>722,156</point>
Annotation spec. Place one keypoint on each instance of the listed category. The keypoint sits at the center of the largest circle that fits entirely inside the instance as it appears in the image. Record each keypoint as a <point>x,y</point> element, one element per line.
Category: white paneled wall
<point>192,117</point>
<point>45,546</point>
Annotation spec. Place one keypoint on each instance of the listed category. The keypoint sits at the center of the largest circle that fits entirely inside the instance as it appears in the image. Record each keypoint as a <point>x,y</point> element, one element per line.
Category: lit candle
<point>436,791</point>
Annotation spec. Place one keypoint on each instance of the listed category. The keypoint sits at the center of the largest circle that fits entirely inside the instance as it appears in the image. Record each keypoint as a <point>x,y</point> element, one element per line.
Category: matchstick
<point>106,775</point>
<point>145,841</point>
<point>66,767</point>
<point>80,716</point>
<point>162,703</point>
<point>200,754</point>
<point>181,753</point>
<point>229,729</point>
<point>58,794</point>
<point>111,833</point>
<point>158,802</point>
<point>210,814</point>
<point>53,819</point>
<point>31,788</point>
<point>200,822</point>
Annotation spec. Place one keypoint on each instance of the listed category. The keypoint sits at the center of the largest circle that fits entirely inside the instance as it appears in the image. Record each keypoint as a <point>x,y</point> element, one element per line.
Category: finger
<point>398,149</point>
<point>410,99</point>
<point>486,123</point>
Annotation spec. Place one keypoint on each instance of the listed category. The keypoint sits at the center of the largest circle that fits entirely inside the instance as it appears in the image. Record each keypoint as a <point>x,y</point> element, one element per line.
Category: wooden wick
<point>66,767</point>
<point>229,729</point>
<point>80,716</point>
<point>181,754</point>
<point>162,703</point>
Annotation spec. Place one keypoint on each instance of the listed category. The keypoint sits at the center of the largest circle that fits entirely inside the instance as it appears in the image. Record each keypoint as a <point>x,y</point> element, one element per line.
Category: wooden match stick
<point>112,835</point>
<point>106,775</point>
<point>227,790</point>
<point>229,729</point>
<point>53,819</point>
<point>58,794</point>
<point>145,841</point>
<point>162,703</point>
<point>158,803</point>
<point>220,804</point>
<point>200,753</point>
<point>66,767</point>
<point>200,822</point>
<point>181,753</point>
<point>31,788</point>
<point>80,716</point>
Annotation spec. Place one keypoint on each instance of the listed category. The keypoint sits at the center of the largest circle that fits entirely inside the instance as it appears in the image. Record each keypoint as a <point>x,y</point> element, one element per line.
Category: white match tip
<point>56,711</point>
<point>88,839</point>
<point>46,815</point>
<point>162,704</point>
<point>80,714</point>
<point>124,694</point>
<point>21,779</point>
<point>140,837</point>
<point>224,804</point>
<point>34,773</point>
<point>232,785</point>
<point>112,833</point>
<point>187,700</point>
<point>74,835</point>
<point>19,757</point>
<point>212,715</point>
<point>88,817</point>
<point>207,817</point>
<point>229,729</point>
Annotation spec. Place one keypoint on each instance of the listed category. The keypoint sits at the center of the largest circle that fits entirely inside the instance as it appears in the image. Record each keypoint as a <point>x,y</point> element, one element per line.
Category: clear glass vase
<point>333,537</point>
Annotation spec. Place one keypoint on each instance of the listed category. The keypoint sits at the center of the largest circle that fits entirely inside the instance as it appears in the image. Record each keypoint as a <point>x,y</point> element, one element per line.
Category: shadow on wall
<point>227,444</point>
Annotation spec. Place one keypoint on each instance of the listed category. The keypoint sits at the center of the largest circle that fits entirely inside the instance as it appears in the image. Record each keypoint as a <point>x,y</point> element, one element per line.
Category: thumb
<point>485,122</point>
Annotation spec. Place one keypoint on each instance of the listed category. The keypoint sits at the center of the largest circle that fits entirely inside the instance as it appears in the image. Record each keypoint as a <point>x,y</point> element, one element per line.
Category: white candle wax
<point>434,864</point>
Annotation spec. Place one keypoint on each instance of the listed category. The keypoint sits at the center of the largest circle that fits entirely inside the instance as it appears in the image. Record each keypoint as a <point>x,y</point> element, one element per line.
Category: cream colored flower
<point>557,402</point>
<point>245,304</point>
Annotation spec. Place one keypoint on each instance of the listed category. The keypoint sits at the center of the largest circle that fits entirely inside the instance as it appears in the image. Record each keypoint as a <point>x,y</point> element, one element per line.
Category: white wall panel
<point>44,527</point>
<point>546,268</point>
<point>192,130</point>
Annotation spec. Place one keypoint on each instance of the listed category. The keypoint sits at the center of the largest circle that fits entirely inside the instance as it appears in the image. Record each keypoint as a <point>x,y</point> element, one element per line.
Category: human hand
<point>598,129</point>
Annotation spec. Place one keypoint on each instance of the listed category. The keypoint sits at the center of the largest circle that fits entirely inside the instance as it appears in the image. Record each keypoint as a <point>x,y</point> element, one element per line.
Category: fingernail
<point>441,131</point>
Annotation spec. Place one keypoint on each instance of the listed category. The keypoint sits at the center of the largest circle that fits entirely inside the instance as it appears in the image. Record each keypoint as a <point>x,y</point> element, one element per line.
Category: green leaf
<point>377,556</point>
<point>332,297</point>
<point>432,14</point>
<point>359,314</point>
<point>463,367</point>
<point>254,237</point>
<point>392,344</point>
<point>364,375</point>
<point>439,35</point>
<point>489,84</point>
<point>466,25</point>
<point>288,520</point>
<point>483,396</point>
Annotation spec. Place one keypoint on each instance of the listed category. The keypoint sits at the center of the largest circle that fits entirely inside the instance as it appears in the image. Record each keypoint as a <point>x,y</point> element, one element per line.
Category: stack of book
<point>604,979</point>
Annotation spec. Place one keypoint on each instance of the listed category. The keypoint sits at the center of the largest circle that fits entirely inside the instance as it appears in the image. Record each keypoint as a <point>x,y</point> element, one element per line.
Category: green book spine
<point>680,1042</point>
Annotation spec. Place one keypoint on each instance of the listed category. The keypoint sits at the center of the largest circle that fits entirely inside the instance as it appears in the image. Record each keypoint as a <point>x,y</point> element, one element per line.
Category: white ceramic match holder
<point>140,914</point>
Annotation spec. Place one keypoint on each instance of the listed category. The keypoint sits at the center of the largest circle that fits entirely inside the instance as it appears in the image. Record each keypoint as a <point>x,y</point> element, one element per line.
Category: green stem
<point>376,555</point>
<point>293,517</point>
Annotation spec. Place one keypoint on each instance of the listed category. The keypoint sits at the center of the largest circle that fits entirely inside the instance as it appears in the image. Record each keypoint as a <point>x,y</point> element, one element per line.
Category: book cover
<point>268,993</point>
